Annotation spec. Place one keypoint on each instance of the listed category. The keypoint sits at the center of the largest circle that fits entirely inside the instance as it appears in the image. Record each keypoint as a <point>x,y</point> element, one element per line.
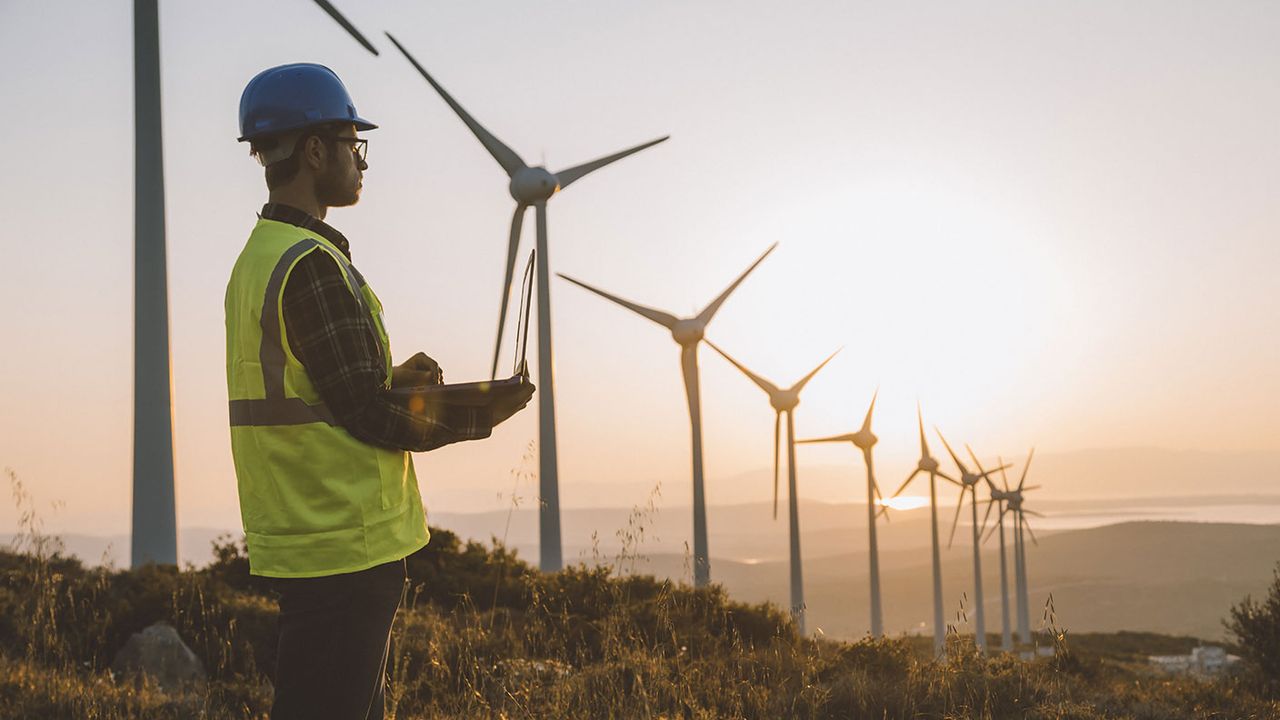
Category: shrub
<point>1256,627</point>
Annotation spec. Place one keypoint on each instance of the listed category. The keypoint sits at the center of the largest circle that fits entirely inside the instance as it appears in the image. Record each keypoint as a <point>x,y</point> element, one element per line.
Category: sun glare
<point>905,502</point>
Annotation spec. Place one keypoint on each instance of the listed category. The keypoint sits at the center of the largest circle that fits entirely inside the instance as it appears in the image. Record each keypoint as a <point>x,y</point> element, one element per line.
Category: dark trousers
<point>333,641</point>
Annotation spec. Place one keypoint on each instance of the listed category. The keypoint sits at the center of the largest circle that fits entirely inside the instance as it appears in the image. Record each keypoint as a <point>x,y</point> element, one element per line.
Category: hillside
<point>485,635</point>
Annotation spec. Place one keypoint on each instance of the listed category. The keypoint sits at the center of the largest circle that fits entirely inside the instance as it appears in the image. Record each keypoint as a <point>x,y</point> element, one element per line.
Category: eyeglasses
<point>359,146</point>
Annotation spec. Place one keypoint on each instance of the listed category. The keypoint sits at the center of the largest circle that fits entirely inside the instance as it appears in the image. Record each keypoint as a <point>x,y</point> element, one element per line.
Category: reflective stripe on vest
<point>276,409</point>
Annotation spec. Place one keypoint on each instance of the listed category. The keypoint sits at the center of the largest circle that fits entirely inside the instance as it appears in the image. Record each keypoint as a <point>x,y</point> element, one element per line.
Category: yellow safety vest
<point>314,500</point>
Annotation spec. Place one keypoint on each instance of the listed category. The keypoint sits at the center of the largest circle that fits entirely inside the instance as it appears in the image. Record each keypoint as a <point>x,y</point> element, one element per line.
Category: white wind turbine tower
<point>864,440</point>
<point>969,482</point>
<point>926,464</point>
<point>688,332</point>
<point>999,497</point>
<point>154,525</point>
<point>1012,502</point>
<point>532,186</point>
<point>785,401</point>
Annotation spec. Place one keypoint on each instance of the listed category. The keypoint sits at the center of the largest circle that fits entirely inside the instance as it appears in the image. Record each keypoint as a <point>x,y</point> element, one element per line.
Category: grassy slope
<point>487,636</point>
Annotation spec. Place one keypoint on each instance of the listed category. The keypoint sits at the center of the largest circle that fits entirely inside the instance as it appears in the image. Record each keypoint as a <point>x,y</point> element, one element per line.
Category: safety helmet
<point>292,97</point>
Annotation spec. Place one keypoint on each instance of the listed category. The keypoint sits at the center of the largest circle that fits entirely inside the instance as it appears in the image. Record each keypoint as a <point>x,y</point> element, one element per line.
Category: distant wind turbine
<point>926,464</point>
<point>864,440</point>
<point>785,402</point>
<point>154,525</point>
<point>1006,499</point>
<point>688,332</point>
<point>532,186</point>
<point>998,498</point>
<point>970,481</point>
<point>1012,502</point>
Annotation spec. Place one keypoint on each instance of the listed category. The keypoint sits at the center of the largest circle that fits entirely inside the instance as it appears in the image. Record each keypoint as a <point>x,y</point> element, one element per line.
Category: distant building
<point>1203,661</point>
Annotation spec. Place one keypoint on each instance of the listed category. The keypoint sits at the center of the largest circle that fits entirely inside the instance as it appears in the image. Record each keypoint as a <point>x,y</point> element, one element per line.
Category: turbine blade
<point>866,423</point>
<point>954,459</point>
<point>761,382</point>
<point>924,445</point>
<point>709,311</point>
<point>833,438</point>
<point>1027,525</point>
<point>1029,488</point>
<point>566,177</point>
<point>947,477</point>
<point>1033,512</point>
<point>346,24</point>
<point>1026,467</point>
<point>956,520</point>
<point>994,527</point>
<point>666,320</point>
<point>907,482</point>
<point>986,517</point>
<point>884,509</point>
<point>777,442</point>
<point>505,156</point>
<point>1004,477</point>
<point>805,380</point>
<point>513,245</point>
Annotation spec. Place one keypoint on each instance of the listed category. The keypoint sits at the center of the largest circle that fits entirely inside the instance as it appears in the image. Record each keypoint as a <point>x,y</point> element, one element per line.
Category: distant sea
<point>1255,513</point>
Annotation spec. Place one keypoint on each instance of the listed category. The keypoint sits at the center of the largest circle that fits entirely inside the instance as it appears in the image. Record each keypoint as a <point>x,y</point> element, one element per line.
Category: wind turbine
<point>999,497</point>
<point>969,482</point>
<point>1013,503</point>
<point>864,440</point>
<point>1009,500</point>
<point>532,186</point>
<point>785,402</point>
<point>926,464</point>
<point>688,332</point>
<point>154,525</point>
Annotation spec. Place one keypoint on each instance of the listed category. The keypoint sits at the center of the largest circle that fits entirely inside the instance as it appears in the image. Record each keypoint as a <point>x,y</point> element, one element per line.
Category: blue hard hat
<point>291,97</point>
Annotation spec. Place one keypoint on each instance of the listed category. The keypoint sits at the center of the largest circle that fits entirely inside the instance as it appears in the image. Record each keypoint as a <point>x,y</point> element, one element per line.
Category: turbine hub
<point>969,478</point>
<point>529,185</point>
<point>1015,501</point>
<point>687,332</point>
<point>928,464</point>
<point>864,439</point>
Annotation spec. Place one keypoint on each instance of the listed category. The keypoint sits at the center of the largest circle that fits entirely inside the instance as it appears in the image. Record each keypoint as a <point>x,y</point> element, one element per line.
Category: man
<point>328,494</point>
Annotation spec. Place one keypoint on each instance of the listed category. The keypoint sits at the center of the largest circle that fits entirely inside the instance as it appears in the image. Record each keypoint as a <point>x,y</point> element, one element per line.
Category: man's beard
<point>333,190</point>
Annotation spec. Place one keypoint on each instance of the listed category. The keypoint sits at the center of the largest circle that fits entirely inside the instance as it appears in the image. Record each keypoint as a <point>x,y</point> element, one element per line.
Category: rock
<point>159,653</point>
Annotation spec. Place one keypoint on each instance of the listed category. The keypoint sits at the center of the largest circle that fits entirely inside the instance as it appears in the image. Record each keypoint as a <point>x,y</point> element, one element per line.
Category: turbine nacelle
<point>784,400</point>
<point>927,464</point>
<point>531,184</point>
<point>688,331</point>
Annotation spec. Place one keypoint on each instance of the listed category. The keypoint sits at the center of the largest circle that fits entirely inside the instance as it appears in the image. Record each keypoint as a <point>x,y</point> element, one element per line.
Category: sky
<point>1053,224</point>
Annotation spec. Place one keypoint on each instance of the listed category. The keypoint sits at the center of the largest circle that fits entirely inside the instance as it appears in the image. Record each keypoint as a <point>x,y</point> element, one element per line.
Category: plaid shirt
<point>337,343</point>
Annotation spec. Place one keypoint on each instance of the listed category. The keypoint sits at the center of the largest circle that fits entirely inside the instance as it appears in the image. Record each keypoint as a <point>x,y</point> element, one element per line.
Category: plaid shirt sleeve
<point>336,341</point>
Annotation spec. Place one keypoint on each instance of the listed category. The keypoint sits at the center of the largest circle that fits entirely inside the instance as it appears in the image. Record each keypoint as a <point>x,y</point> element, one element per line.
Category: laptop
<point>479,394</point>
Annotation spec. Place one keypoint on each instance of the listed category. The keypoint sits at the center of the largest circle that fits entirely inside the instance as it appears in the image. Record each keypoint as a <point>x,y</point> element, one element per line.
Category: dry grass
<point>486,636</point>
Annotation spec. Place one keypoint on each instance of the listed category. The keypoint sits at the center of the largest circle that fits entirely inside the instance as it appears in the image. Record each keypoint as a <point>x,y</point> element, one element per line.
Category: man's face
<point>342,176</point>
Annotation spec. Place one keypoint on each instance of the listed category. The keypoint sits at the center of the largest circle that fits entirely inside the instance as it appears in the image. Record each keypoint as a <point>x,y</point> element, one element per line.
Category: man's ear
<point>314,153</point>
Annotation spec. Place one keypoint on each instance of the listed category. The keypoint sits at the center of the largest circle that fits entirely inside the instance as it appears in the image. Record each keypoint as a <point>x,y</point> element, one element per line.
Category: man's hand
<point>511,401</point>
<point>418,371</point>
